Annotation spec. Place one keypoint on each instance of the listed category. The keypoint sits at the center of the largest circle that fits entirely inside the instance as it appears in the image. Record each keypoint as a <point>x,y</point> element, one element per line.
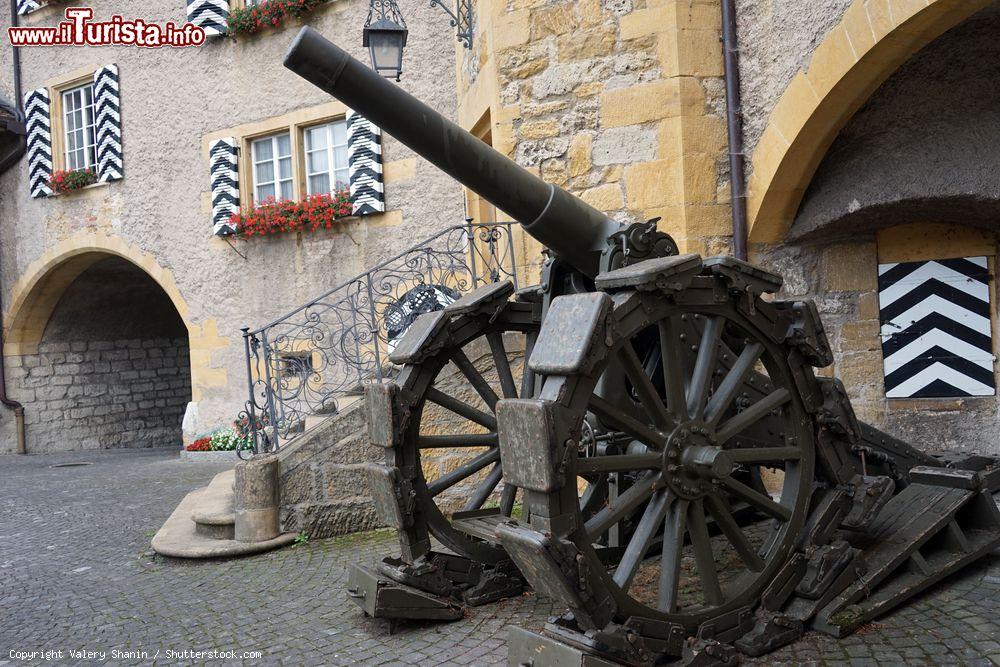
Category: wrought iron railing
<point>301,366</point>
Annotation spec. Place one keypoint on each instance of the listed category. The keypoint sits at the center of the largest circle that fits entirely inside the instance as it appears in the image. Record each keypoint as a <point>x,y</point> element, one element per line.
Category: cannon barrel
<point>575,231</point>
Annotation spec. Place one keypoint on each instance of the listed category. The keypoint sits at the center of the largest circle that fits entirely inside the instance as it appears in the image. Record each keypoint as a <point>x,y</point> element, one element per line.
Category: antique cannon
<point>672,468</point>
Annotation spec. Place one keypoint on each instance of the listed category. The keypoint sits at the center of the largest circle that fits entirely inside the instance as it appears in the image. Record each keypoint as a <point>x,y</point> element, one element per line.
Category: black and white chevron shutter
<point>108,130</point>
<point>364,162</point>
<point>225,184</point>
<point>936,334</point>
<point>27,6</point>
<point>39,127</point>
<point>211,15</point>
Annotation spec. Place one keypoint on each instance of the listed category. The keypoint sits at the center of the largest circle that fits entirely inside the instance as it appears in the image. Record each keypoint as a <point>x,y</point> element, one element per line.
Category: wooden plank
<point>897,570</point>
<point>482,527</point>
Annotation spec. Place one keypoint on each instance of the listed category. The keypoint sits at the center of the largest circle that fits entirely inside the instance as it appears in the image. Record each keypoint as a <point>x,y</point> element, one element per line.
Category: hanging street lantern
<point>385,36</point>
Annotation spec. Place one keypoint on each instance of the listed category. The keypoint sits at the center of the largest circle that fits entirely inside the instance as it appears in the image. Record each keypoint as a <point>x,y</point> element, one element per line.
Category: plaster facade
<point>158,217</point>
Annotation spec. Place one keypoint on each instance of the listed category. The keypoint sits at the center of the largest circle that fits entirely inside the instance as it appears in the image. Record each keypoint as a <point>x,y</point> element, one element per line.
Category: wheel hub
<point>693,465</point>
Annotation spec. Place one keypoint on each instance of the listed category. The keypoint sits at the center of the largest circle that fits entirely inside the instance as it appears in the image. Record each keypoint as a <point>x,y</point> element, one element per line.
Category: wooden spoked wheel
<point>449,439</point>
<point>712,405</point>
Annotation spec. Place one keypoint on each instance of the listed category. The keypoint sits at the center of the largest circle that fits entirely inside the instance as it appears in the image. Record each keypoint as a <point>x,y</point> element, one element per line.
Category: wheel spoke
<point>475,378</point>
<point>527,375</point>
<point>670,559</point>
<point>761,455</point>
<point>648,396</point>
<point>703,556</point>
<point>619,463</point>
<point>462,472</point>
<point>457,440</point>
<point>495,339</point>
<point>704,366</point>
<point>758,500</point>
<point>635,552</point>
<point>732,383</point>
<point>484,490</point>
<point>621,507</point>
<point>673,375</point>
<point>738,423</point>
<point>507,498</point>
<point>725,521</point>
<point>461,409</point>
<point>617,419</point>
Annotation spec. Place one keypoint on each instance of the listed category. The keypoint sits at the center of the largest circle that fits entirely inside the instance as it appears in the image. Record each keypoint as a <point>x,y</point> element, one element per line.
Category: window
<point>78,127</point>
<point>296,365</point>
<point>326,157</point>
<point>272,167</point>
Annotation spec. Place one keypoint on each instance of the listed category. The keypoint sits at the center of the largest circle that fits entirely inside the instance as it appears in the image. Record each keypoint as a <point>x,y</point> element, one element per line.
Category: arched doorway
<point>896,238</point>
<point>100,358</point>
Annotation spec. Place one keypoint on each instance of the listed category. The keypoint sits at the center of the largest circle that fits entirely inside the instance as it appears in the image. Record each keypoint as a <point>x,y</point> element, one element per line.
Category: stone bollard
<point>256,499</point>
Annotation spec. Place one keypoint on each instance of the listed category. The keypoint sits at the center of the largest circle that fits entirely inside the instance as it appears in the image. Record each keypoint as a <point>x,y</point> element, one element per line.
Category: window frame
<point>296,128</point>
<point>331,155</point>
<point>56,87</point>
<point>275,160</point>
<point>89,126</point>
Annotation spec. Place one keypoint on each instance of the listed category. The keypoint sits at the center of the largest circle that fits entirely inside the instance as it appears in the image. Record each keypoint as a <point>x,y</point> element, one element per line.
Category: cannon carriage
<point>643,438</point>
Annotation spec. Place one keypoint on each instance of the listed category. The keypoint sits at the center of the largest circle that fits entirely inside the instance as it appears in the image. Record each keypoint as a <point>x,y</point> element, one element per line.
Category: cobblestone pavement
<point>76,573</point>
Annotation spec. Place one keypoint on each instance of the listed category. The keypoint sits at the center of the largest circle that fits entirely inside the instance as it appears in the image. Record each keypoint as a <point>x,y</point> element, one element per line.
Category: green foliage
<point>301,538</point>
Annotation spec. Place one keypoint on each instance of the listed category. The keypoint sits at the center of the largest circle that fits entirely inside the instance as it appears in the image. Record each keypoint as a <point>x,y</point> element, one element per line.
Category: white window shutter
<point>210,15</point>
<point>937,335</point>
<point>108,130</point>
<point>222,158</point>
<point>27,6</point>
<point>364,162</point>
<point>39,128</point>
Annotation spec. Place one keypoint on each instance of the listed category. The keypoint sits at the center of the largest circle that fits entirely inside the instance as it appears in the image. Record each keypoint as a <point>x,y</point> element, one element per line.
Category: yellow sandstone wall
<point>619,101</point>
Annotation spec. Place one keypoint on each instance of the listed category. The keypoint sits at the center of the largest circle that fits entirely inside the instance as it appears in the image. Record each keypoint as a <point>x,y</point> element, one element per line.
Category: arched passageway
<point>112,365</point>
<point>897,242</point>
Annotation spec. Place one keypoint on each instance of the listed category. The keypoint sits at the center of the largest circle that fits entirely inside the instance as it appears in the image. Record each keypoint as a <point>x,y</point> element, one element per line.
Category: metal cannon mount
<point>641,437</point>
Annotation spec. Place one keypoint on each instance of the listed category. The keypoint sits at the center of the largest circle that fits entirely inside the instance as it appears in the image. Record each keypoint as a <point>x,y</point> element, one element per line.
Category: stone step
<point>213,515</point>
<point>203,525</point>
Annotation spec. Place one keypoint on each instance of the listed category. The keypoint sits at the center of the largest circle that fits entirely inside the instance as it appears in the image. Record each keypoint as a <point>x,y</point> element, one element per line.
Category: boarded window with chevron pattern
<point>937,339</point>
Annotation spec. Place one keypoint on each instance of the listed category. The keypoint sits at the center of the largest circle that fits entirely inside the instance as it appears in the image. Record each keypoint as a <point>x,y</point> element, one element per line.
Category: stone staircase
<point>204,525</point>
<point>323,490</point>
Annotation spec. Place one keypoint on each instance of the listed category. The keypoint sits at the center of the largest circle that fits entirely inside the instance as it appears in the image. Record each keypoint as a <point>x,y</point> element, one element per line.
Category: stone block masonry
<point>103,394</point>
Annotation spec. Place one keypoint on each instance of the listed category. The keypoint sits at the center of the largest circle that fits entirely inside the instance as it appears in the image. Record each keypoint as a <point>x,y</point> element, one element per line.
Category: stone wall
<point>620,101</point>
<point>323,489</point>
<point>103,394</point>
<point>842,278</point>
<point>908,179</point>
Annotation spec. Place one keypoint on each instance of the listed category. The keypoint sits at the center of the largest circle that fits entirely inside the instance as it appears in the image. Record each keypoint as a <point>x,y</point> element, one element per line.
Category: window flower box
<point>266,14</point>
<point>70,180</point>
<point>273,216</point>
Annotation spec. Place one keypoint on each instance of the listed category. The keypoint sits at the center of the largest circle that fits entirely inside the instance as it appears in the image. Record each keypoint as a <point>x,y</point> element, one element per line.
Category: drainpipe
<point>734,127</point>
<point>6,163</point>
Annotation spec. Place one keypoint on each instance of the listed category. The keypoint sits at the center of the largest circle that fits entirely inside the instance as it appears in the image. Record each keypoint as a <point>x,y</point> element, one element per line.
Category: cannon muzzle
<point>572,229</point>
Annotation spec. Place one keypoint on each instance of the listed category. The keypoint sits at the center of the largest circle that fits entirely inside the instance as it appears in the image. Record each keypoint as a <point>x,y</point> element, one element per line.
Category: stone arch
<point>873,39</point>
<point>35,295</point>
<point>99,348</point>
